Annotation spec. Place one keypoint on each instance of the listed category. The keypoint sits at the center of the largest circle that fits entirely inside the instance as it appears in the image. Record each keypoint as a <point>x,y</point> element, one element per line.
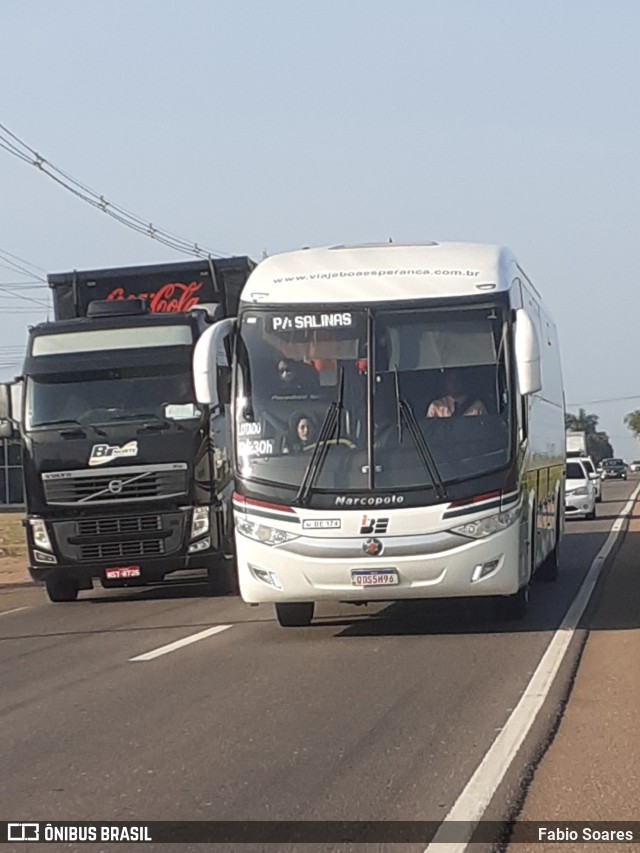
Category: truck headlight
<point>39,534</point>
<point>484,527</point>
<point>199,521</point>
<point>263,533</point>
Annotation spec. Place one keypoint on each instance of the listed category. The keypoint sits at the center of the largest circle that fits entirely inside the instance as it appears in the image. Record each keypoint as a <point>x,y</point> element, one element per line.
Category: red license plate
<point>122,572</point>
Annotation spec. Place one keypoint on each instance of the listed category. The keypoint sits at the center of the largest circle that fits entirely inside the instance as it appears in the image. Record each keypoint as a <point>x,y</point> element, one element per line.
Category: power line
<point>14,267</point>
<point>20,285</point>
<point>17,295</point>
<point>25,268</point>
<point>22,260</point>
<point>15,146</point>
<point>606,400</point>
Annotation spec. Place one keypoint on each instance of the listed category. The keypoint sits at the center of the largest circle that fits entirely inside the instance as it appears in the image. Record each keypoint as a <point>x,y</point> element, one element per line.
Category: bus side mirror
<point>527,348</point>
<point>210,360</point>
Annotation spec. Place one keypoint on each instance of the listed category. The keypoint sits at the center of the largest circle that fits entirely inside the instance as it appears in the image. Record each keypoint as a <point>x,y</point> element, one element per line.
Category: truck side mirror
<point>10,408</point>
<point>527,349</point>
<point>5,402</point>
<point>210,361</point>
<point>15,393</point>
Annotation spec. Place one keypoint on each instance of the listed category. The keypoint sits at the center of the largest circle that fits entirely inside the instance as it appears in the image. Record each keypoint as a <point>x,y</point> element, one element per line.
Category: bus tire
<point>515,607</point>
<point>61,589</point>
<point>297,615</point>
<point>550,569</point>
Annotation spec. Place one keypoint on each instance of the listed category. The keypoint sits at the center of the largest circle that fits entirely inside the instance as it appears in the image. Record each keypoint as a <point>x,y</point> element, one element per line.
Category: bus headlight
<point>263,533</point>
<point>484,527</point>
<point>39,534</point>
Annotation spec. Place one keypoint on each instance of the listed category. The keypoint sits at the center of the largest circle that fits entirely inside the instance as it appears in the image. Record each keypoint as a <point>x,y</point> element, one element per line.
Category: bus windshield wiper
<point>396,383</point>
<point>422,447</point>
<point>329,424</point>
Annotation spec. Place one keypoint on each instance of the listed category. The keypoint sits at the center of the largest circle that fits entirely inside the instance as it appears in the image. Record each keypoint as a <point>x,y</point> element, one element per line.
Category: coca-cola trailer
<point>127,478</point>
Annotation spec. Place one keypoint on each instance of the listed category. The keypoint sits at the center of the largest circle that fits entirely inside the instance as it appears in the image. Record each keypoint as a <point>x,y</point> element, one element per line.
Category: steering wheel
<point>344,442</point>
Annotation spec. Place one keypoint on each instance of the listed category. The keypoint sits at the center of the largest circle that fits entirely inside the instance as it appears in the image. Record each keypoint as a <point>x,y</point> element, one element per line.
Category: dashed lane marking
<point>185,641</point>
<point>15,610</point>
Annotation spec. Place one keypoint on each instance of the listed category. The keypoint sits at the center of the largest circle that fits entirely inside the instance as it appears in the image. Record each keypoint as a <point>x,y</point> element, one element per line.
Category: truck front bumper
<point>152,544</point>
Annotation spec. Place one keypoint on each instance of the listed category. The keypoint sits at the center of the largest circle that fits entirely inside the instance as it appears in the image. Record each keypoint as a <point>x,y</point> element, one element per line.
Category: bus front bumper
<point>479,567</point>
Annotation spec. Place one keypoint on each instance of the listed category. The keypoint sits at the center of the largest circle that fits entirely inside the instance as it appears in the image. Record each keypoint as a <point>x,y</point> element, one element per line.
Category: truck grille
<point>108,550</point>
<point>116,526</point>
<point>111,485</point>
<point>120,536</point>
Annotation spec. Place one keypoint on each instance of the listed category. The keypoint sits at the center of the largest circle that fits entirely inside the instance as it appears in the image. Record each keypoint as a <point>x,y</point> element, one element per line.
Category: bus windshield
<point>396,398</point>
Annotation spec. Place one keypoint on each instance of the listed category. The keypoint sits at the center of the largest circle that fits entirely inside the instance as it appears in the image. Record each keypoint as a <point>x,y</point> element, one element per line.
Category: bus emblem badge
<point>372,547</point>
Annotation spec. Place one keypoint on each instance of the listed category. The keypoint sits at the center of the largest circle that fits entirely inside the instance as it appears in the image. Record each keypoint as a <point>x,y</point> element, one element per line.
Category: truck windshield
<point>423,396</point>
<point>102,396</point>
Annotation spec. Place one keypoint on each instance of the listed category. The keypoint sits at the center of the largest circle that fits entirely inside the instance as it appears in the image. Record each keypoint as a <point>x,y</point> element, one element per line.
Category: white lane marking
<point>185,641</point>
<point>15,610</point>
<point>476,796</point>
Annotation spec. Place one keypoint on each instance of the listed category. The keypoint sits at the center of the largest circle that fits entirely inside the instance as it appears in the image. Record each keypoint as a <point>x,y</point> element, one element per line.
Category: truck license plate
<point>377,577</point>
<point>122,572</point>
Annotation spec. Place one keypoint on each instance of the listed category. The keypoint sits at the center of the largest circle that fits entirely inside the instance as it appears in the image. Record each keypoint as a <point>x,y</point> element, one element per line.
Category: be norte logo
<point>102,453</point>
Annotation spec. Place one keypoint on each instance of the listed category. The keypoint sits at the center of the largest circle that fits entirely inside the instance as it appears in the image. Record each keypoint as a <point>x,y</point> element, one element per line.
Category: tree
<point>598,444</point>
<point>582,422</point>
<point>632,421</point>
<point>599,447</point>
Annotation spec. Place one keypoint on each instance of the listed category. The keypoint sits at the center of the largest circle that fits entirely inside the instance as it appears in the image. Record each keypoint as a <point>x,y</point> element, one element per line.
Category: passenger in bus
<point>300,434</point>
<point>456,399</point>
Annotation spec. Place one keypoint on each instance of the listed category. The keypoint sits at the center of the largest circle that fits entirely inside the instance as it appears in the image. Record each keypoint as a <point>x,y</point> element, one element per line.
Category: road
<point>379,713</point>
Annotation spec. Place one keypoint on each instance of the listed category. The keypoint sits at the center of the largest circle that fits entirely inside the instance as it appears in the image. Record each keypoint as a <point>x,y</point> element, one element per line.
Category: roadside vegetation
<point>632,422</point>
<point>598,444</point>
<point>12,540</point>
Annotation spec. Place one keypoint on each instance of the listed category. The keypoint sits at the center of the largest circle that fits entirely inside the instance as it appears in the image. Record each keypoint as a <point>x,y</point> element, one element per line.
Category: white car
<point>580,494</point>
<point>635,466</point>
<point>594,475</point>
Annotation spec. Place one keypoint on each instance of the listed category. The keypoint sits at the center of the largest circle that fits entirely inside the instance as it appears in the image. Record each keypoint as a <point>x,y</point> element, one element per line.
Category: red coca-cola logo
<point>169,298</point>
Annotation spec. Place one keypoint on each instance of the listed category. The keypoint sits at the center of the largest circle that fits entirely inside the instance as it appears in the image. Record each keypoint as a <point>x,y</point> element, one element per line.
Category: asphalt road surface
<point>378,713</point>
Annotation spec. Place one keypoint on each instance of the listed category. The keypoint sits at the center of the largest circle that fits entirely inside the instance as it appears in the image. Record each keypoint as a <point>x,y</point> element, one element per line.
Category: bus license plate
<point>122,572</point>
<point>377,577</point>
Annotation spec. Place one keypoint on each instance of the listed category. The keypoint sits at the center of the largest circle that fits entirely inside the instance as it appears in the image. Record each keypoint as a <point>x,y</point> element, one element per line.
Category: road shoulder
<point>591,770</point>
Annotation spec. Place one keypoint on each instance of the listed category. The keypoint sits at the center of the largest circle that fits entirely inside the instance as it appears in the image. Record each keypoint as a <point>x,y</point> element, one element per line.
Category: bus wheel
<point>296,615</point>
<point>549,570</point>
<point>60,589</point>
<point>515,607</point>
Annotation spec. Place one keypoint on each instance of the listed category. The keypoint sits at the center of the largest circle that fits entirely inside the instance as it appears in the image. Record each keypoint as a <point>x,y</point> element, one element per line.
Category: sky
<point>253,126</point>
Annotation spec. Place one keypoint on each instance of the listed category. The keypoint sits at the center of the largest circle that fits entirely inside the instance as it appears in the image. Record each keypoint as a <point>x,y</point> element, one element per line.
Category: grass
<point>12,537</point>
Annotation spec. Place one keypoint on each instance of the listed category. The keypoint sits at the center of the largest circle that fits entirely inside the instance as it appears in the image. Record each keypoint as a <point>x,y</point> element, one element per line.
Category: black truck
<point>126,477</point>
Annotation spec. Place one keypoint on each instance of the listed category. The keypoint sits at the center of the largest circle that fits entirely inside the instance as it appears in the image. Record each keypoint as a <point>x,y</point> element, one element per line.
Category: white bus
<point>345,488</point>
